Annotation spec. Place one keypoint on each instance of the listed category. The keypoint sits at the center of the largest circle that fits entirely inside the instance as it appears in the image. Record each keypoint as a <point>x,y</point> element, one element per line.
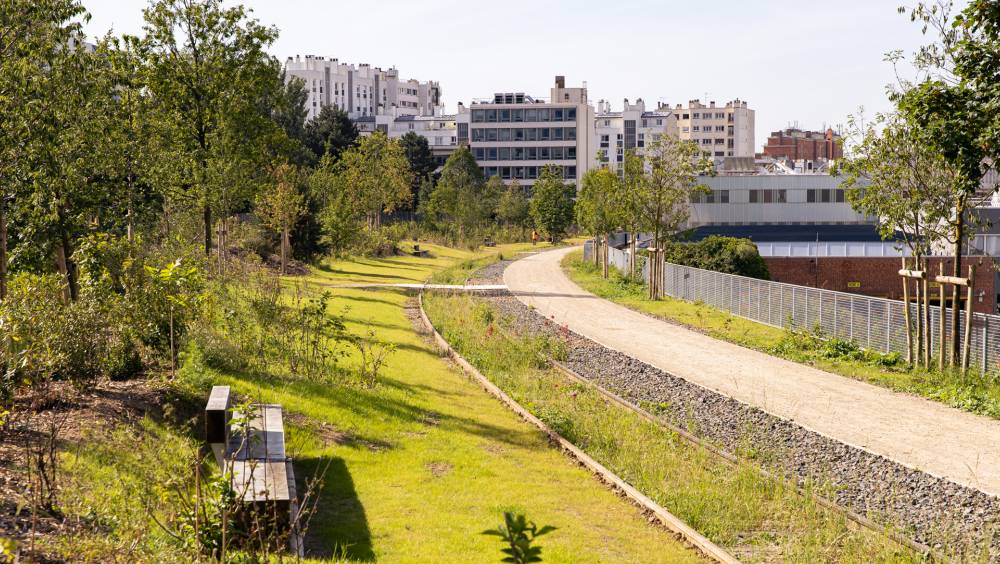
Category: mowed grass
<point>417,465</point>
<point>757,518</point>
<point>975,394</point>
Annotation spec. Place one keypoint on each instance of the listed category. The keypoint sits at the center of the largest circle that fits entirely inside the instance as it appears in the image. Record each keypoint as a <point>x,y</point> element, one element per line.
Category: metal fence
<point>876,324</point>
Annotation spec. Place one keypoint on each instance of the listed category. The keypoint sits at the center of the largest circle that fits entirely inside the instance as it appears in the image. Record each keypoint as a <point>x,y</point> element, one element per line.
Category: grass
<point>974,394</point>
<point>757,518</point>
<point>420,463</point>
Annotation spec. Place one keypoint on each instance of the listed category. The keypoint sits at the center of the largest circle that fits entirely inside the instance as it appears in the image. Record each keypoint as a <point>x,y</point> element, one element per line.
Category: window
<point>720,115</point>
<point>720,141</point>
<point>695,128</point>
<point>720,128</point>
<point>530,115</point>
<point>825,196</point>
<point>570,152</point>
<point>491,134</point>
<point>605,143</point>
<point>517,154</point>
<point>706,141</point>
<point>492,154</point>
<point>557,114</point>
<point>607,123</point>
<point>557,153</point>
<point>503,134</point>
<point>504,153</point>
<point>491,116</point>
<point>840,196</point>
<point>543,115</point>
<point>530,134</point>
<point>531,153</point>
<point>518,134</point>
<point>685,129</point>
<point>645,122</point>
<point>504,116</point>
<point>659,121</point>
<point>754,196</point>
<point>571,133</point>
<point>641,141</point>
<point>696,116</point>
<point>571,114</point>
<point>685,116</point>
<point>517,115</point>
<point>557,133</point>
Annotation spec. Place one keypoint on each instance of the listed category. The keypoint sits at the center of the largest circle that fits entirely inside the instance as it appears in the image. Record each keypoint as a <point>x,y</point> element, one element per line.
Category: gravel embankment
<point>933,511</point>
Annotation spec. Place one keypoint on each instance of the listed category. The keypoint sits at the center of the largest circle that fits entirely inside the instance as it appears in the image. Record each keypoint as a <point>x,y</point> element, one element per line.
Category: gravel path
<point>934,511</point>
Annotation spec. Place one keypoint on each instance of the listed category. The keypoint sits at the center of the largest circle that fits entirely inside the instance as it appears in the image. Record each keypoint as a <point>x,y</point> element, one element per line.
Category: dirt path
<point>910,430</point>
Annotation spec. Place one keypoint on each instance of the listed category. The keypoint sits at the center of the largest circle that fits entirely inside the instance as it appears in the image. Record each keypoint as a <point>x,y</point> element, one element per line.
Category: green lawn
<point>974,394</point>
<point>423,461</point>
<point>755,517</point>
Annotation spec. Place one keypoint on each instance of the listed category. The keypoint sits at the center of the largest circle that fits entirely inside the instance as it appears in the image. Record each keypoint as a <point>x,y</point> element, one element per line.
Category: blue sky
<point>792,60</point>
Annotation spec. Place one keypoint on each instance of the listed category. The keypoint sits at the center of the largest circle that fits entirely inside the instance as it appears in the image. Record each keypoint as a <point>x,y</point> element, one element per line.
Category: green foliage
<point>597,210</point>
<point>552,203</point>
<point>330,133</point>
<point>418,154</point>
<point>513,208</point>
<point>663,194</point>
<point>461,197</point>
<point>518,534</point>
<point>376,175</point>
<point>721,254</point>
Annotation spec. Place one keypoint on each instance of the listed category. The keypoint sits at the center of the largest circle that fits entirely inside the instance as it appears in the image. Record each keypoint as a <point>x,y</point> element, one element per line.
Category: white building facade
<point>720,131</point>
<point>361,90</point>
<point>633,128</point>
<point>438,128</point>
<point>514,136</point>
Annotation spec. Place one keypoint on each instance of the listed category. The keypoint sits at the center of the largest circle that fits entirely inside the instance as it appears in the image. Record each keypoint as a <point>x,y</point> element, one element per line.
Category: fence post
<point>888,320</point>
<point>770,308</point>
<point>834,313</point>
<point>986,334</point>
<point>869,322</point>
<point>850,320</point>
<point>793,307</point>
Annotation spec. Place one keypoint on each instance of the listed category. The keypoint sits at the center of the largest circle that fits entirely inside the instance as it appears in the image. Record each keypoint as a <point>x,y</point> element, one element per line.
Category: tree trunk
<point>920,315</point>
<point>606,250</point>
<point>631,258</point>
<point>906,316</point>
<point>928,336</point>
<point>284,250</point>
<point>207,212</point>
<point>3,249</point>
<point>64,259</point>
<point>957,272</point>
<point>131,211</point>
<point>597,251</point>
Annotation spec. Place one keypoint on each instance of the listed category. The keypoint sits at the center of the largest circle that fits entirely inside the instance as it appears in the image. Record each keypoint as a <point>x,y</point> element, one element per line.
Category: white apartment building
<point>633,128</point>
<point>438,128</point>
<point>514,135</point>
<point>361,90</point>
<point>720,131</point>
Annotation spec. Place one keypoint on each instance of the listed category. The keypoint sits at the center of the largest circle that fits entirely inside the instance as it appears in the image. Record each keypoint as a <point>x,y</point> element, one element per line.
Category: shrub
<point>721,254</point>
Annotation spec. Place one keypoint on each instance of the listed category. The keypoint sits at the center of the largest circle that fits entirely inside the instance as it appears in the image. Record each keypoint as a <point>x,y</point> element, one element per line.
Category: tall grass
<point>756,517</point>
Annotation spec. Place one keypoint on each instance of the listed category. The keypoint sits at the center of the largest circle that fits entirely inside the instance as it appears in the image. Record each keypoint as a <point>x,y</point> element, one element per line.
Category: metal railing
<point>876,324</point>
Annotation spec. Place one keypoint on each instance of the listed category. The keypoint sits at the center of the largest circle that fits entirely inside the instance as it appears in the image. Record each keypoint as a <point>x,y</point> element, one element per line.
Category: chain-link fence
<point>876,324</point>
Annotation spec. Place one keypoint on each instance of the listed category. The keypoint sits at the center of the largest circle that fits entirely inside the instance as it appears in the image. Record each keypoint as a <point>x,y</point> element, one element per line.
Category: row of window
<point>524,134</point>
<point>523,153</point>
<point>704,115</point>
<point>523,115</point>
<point>770,196</point>
<point>524,172</point>
<point>645,122</point>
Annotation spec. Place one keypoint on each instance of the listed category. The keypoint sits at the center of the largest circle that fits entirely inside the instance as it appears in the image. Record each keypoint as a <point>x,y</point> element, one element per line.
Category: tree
<point>629,201</point>
<point>597,210</point>
<point>378,175</point>
<point>513,208</point>
<point>33,37</point>
<point>208,71</point>
<point>281,205</point>
<point>461,196</point>
<point>331,131</point>
<point>665,193</point>
<point>421,160</point>
<point>552,203</point>
<point>289,113</point>
<point>956,104</point>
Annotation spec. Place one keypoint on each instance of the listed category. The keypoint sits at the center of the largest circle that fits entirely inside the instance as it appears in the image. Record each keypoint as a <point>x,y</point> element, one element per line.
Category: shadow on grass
<point>339,528</point>
<point>362,275</point>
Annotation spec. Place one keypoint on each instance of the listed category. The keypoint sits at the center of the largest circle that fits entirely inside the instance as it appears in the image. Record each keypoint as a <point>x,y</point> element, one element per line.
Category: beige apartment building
<point>720,131</point>
<point>514,135</point>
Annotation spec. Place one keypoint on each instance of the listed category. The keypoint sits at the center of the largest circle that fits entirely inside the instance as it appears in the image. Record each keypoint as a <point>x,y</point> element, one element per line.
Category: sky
<point>794,61</point>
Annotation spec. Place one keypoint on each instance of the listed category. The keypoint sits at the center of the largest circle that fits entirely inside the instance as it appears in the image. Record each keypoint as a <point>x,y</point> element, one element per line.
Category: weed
<point>519,534</point>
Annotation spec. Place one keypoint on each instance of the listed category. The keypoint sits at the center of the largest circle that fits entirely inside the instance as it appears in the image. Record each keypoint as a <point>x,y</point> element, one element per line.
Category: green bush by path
<point>731,255</point>
<point>979,395</point>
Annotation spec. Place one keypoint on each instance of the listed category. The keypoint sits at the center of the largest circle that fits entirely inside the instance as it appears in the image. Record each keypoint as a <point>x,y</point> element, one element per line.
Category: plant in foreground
<point>518,533</point>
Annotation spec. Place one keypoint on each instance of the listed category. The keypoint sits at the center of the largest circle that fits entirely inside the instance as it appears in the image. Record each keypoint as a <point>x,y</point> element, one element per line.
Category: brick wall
<point>877,276</point>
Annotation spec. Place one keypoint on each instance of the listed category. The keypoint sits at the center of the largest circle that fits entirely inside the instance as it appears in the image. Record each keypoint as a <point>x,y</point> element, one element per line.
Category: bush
<point>721,254</point>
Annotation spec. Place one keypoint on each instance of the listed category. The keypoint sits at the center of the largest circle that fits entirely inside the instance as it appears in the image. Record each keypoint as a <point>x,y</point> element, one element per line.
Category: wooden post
<point>941,343</point>
<point>906,315</point>
<point>927,315</point>
<point>920,317</point>
<point>967,338</point>
<point>607,253</point>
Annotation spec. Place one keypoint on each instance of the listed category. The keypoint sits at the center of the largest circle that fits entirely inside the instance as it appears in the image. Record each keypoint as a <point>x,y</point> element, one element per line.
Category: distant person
<point>534,237</point>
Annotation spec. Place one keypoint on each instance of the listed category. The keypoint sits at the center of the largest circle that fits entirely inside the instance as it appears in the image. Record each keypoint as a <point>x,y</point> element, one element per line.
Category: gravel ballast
<point>931,510</point>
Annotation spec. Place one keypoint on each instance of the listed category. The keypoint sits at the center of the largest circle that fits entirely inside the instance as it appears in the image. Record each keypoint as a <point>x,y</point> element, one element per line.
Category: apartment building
<point>795,144</point>
<point>514,135</point>
<point>720,131</point>
<point>633,128</point>
<point>361,90</point>
<point>440,129</point>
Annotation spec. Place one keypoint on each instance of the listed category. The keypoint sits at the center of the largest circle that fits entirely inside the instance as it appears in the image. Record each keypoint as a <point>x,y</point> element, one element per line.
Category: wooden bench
<point>251,447</point>
<point>489,242</point>
<point>418,252</point>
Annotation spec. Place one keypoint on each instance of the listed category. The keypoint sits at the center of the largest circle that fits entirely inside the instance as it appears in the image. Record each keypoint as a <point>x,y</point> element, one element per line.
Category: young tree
<point>208,71</point>
<point>281,205</point>
<point>421,160</point>
<point>552,203</point>
<point>956,104</point>
<point>597,210</point>
<point>460,195</point>
<point>330,132</point>
<point>892,175</point>
<point>378,175</point>
<point>628,199</point>
<point>665,194</point>
<point>513,208</point>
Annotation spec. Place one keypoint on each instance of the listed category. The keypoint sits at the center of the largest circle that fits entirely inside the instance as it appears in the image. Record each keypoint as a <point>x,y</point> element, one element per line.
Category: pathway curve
<point>910,430</point>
